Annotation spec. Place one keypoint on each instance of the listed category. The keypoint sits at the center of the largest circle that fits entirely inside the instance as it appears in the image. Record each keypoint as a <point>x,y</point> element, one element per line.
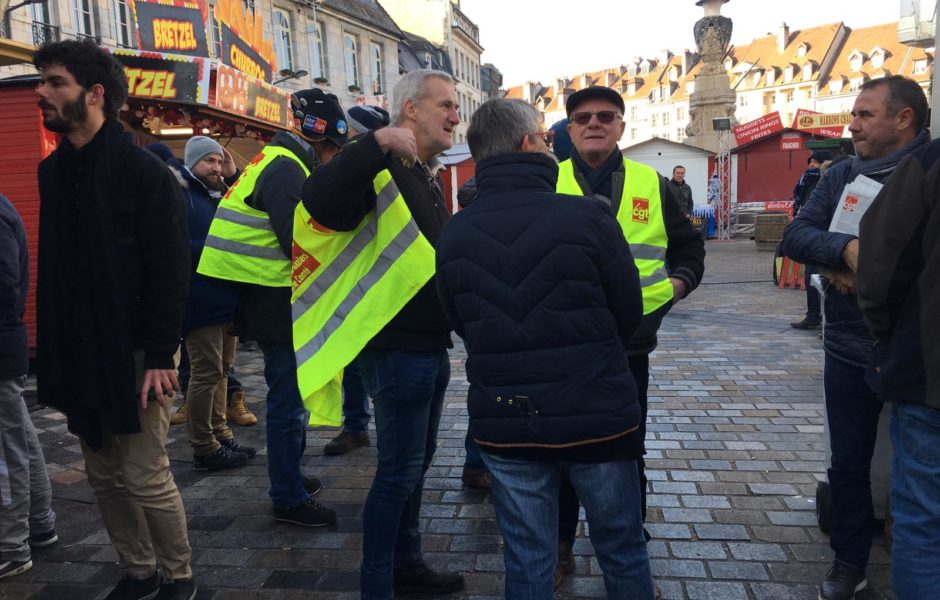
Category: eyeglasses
<point>604,116</point>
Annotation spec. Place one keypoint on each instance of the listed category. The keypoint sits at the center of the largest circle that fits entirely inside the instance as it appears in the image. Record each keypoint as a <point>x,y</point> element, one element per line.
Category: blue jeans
<point>355,401</point>
<point>407,390</point>
<point>286,426</point>
<point>473,460</point>
<point>915,501</point>
<point>852,409</point>
<point>525,495</point>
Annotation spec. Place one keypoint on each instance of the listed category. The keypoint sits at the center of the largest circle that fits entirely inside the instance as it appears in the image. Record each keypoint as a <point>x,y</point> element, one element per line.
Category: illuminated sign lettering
<point>151,84</point>
<point>173,35</point>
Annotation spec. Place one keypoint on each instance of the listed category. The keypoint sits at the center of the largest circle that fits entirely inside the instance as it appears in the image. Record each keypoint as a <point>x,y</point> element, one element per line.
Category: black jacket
<point>339,194</point>
<point>264,312</point>
<point>808,240</point>
<point>113,277</point>
<point>899,280</point>
<point>208,302</point>
<point>14,284</point>
<point>685,250</point>
<point>682,192</point>
<point>544,292</point>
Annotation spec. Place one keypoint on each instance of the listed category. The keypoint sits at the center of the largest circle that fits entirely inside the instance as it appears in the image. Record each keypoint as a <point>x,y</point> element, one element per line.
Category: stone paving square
<point>735,441</point>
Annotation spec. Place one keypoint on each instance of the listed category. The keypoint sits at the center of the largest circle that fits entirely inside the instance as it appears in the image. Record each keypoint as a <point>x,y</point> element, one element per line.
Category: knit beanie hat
<point>367,118</point>
<point>819,156</point>
<point>198,147</point>
<point>162,151</point>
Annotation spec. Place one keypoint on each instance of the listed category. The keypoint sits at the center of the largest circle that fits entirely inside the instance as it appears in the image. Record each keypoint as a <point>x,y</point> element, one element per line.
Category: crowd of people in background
<point>334,250</point>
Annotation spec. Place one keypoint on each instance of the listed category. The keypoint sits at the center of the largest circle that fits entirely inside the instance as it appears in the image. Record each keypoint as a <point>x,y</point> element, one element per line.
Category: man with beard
<point>888,120</point>
<point>113,274</point>
<point>210,310</point>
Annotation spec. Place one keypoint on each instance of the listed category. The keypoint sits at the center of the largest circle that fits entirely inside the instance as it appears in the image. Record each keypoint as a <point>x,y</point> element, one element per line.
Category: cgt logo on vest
<point>641,210</point>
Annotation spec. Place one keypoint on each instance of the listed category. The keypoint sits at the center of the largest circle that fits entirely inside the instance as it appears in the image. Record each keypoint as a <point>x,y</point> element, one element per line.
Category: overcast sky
<point>542,40</point>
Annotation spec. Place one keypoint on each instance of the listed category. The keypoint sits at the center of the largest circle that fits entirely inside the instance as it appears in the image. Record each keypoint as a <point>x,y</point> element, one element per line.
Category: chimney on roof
<point>665,56</point>
<point>688,61</point>
<point>530,91</point>
<point>783,37</point>
<point>623,69</point>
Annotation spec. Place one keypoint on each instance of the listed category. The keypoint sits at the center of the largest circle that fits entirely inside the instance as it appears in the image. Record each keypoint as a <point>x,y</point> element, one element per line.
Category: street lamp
<point>289,74</point>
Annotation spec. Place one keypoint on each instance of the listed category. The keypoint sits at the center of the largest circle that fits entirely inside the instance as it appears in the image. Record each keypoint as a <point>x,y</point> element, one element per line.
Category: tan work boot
<point>238,412</point>
<point>565,564</point>
<point>181,414</point>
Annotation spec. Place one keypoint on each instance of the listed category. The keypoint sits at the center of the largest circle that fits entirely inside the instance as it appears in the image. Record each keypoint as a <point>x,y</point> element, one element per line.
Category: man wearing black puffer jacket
<point>888,122</point>
<point>543,289</point>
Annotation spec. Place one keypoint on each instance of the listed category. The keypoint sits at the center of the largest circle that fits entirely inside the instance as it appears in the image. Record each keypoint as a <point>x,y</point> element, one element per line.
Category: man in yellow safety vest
<point>250,242</point>
<point>379,209</point>
<point>669,254</point>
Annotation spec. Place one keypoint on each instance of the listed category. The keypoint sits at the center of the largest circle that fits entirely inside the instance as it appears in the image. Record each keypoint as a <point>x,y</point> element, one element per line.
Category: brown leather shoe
<point>346,441</point>
<point>565,564</point>
<point>238,412</point>
<point>181,414</point>
<point>477,479</point>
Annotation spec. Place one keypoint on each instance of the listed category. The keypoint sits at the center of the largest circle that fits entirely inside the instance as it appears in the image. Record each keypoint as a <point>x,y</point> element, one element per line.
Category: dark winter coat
<point>208,303</point>
<point>803,189</point>
<point>899,280</point>
<point>544,291</point>
<point>113,276</point>
<point>683,195</point>
<point>339,194</point>
<point>685,250</point>
<point>808,240</point>
<point>14,284</point>
<point>264,312</point>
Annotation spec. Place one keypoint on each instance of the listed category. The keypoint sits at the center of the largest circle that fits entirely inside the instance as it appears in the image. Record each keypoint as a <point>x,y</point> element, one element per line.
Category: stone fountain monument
<point>713,97</point>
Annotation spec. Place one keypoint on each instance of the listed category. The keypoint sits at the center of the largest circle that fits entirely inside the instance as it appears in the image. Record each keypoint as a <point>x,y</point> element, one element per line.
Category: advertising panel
<point>759,128</point>
<point>823,125</point>
<point>177,27</point>
<point>239,93</point>
<point>159,76</point>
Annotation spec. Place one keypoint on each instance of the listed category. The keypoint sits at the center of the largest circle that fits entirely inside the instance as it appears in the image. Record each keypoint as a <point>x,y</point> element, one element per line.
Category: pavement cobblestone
<point>736,447</point>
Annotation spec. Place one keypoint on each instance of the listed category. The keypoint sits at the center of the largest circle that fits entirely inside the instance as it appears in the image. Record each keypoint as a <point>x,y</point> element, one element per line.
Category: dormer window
<point>877,58</point>
<point>835,85</point>
<point>645,67</point>
<point>788,72</point>
<point>855,60</point>
<point>729,63</point>
<point>920,67</point>
<point>758,73</point>
<point>674,74</point>
<point>771,76</point>
<point>808,70</point>
<point>802,49</point>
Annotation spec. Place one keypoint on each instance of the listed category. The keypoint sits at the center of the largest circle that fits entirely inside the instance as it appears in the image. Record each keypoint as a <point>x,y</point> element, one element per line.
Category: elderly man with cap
<point>250,242</point>
<point>668,252</point>
<point>206,173</point>
<point>801,193</point>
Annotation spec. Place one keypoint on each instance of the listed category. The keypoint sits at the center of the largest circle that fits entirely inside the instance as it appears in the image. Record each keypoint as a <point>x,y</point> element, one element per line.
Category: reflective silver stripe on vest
<point>233,216</point>
<point>244,249</point>
<point>328,277</point>
<point>648,252</point>
<point>657,276</point>
<point>392,253</point>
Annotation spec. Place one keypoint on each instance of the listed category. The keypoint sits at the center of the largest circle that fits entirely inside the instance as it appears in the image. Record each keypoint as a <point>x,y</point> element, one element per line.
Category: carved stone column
<point>713,96</point>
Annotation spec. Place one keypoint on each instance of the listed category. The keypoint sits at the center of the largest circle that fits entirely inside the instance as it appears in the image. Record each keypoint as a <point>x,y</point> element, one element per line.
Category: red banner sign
<point>791,140</point>
<point>758,128</point>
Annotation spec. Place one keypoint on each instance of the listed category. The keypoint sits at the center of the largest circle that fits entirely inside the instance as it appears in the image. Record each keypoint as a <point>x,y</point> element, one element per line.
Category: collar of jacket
<point>884,166</point>
<point>298,146</point>
<point>517,171</point>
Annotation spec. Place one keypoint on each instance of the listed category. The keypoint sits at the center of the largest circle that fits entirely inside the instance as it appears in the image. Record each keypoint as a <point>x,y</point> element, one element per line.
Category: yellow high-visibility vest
<point>641,217</point>
<point>242,245</point>
<point>347,285</point>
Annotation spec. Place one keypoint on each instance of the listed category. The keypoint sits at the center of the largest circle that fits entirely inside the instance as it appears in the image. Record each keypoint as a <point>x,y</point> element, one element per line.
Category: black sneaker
<point>345,442</point>
<point>41,540</point>
<point>178,590</point>
<point>236,447</point>
<point>806,324</point>
<point>136,589</point>
<point>312,485</point>
<point>842,582</point>
<point>420,579</point>
<point>14,567</point>
<point>223,458</point>
<point>309,514</point>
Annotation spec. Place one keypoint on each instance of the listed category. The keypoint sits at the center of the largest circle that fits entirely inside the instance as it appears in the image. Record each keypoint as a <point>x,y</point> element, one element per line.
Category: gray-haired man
<point>387,175</point>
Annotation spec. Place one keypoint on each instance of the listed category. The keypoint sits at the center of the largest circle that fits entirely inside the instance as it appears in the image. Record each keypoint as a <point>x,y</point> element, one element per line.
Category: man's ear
<point>411,109</point>
<point>95,96</point>
<point>905,118</point>
<point>527,144</point>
